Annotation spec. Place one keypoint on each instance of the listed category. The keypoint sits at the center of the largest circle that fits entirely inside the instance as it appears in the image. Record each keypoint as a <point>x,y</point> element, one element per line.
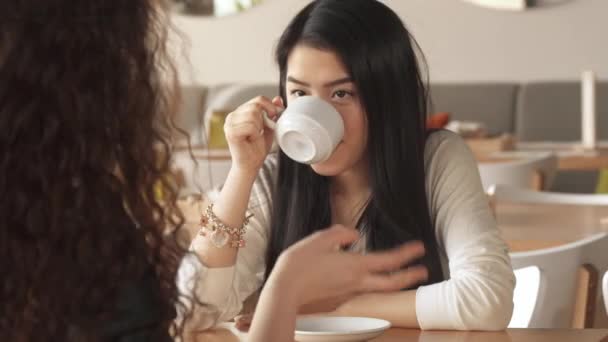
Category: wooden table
<point>590,162</point>
<point>405,335</point>
<point>534,226</point>
<point>566,161</point>
<point>569,156</point>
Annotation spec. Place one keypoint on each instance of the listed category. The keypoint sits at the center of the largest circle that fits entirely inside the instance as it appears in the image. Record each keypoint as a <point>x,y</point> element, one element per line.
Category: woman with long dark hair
<point>389,178</point>
<point>87,252</point>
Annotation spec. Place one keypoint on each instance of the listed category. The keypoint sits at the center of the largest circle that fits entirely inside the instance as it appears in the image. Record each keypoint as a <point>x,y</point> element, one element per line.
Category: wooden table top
<point>533,226</point>
<point>570,156</point>
<point>405,335</point>
<point>572,160</point>
<point>584,163</point>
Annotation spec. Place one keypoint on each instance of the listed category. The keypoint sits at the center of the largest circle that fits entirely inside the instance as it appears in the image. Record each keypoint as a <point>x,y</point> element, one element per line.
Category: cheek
<point>355,128</point>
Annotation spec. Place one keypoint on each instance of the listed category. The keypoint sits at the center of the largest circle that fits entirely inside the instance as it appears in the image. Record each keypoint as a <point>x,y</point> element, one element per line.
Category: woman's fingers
<point>245,122</point>
<point>243,131</point>
<point>382,270</point>
<point>243,322</point>
<point>277,101</point>
<point>393,259</point>
<point>264,104</point>
<point>394,281</point>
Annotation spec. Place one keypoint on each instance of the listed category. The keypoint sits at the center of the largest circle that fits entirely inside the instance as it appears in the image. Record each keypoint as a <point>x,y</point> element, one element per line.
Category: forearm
<point>275,315</point>
<point>230,208</point>
<point>399,307</point>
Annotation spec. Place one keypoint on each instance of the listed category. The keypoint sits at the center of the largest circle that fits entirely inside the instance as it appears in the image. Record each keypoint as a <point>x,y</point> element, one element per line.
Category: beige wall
<point>462,42</point>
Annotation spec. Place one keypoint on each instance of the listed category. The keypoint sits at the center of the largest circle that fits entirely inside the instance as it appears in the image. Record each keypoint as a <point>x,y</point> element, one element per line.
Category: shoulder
<point>447,151</point>
<point>451,171</point>
<point>442,144</point>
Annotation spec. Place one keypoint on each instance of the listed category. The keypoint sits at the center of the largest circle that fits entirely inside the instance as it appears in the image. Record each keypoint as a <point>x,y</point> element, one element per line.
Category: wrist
<point>283,293</point>
<point>243,174</point>
<point>281,283</point>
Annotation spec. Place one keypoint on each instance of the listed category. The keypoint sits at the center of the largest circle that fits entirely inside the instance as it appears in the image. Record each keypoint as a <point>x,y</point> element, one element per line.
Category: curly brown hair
<point>85,107</point>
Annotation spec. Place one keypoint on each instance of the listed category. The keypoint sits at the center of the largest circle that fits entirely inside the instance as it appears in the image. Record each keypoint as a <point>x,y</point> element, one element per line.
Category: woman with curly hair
<point>86,250</point>
<point>87,253</point>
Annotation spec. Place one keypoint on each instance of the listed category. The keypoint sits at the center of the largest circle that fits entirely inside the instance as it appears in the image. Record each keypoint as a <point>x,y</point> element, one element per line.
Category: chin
<point>343,159</point>
<point>335,165</point>
<point>327,169</point>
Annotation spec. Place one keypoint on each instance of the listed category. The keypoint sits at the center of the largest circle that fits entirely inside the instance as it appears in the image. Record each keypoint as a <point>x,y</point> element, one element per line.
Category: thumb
<point>278,101</point>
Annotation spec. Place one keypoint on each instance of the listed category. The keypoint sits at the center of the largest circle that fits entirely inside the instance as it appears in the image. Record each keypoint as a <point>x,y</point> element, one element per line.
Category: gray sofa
<point>491,103</point>
<point>552,111</point>
<point>534,111</point>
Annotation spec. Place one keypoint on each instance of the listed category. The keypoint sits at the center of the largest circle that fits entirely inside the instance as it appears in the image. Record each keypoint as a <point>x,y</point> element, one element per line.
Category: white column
<point>588,110</point>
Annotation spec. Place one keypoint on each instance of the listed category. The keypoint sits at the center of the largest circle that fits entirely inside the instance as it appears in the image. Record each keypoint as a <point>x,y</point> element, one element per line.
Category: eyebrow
<point>326,85</point>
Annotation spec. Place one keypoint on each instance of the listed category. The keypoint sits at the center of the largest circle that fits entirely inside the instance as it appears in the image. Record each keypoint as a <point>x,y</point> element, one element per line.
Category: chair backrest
<point>605,290</point>
<point>556,282</point>
<point>227,97</point>
<point>534,172</point>
<point>548,281</point>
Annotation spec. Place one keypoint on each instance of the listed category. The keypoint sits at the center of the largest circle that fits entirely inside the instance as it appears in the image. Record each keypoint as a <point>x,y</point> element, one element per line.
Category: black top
<point>140,314</point>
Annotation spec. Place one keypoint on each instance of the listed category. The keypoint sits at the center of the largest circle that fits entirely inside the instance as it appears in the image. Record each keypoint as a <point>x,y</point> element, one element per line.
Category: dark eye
<point>341,94</point>
<point>298,93</point>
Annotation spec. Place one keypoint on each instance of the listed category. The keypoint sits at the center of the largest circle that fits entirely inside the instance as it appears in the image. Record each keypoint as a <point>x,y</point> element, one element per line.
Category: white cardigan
<point>478,292</point>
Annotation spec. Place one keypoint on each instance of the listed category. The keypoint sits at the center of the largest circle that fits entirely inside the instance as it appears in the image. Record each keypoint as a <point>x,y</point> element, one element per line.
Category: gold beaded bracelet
<point>219,233</point>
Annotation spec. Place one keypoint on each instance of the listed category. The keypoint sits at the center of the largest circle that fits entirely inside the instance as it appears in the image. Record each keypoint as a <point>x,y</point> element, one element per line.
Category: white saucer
<point>339,329</point>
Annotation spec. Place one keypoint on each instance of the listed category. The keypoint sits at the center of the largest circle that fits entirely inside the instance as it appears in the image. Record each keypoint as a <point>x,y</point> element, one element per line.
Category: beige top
<point>478,294</point>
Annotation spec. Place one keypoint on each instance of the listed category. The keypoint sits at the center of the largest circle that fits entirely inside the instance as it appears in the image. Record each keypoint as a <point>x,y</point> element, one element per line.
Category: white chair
<point>531,170</point>
<point>227,98</point>
<point>548,279</point>
<point>605,290</point>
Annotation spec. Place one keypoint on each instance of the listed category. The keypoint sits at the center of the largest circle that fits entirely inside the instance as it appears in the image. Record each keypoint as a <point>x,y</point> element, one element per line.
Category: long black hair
<point>380,56</point>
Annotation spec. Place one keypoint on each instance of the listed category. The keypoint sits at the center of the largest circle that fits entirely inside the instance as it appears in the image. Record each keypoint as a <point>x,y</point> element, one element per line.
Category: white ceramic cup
<point>308,130</point>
